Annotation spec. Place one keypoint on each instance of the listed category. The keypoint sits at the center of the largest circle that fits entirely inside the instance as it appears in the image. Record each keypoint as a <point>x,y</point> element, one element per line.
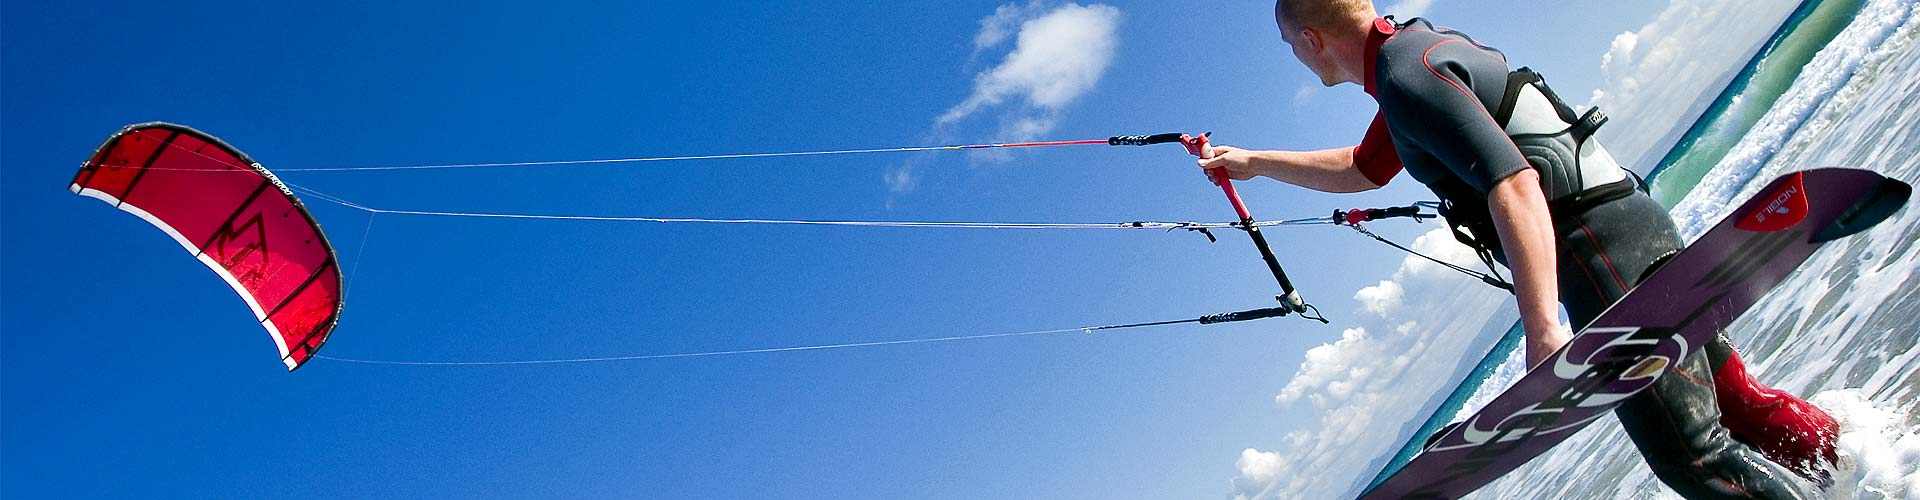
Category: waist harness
<point>1576,172</point>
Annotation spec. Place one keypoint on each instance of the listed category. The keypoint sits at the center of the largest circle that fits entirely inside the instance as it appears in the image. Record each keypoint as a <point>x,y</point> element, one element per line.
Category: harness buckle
<point>1588,124</point>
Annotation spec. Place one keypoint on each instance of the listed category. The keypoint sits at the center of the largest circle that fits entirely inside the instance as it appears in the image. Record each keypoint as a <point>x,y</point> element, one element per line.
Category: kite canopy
<point>235,217</point>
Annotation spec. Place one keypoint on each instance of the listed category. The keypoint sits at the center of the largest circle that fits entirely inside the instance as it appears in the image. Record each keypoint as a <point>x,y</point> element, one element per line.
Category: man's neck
<point>1377,34</point>
<point>1349,46</point>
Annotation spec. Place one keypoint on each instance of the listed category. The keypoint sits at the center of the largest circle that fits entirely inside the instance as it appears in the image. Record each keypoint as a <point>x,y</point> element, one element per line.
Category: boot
<point>1786,429</point>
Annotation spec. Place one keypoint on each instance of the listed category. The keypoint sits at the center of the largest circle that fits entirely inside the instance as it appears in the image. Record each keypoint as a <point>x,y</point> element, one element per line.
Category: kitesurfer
<point>1523,181</point>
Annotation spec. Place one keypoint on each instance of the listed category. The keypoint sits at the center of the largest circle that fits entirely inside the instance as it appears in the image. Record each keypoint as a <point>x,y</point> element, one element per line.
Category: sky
<point>122,358</point>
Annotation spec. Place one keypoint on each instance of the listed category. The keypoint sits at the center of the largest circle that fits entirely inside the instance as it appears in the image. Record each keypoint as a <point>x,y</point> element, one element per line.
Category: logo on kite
<point>233,216</point>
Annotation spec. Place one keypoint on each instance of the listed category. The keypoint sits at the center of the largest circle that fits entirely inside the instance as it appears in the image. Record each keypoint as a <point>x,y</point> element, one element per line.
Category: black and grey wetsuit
<point>1456,118</point>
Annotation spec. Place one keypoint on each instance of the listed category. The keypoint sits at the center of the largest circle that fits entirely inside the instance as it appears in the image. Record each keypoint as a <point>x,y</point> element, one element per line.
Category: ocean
<point>1838,89</point>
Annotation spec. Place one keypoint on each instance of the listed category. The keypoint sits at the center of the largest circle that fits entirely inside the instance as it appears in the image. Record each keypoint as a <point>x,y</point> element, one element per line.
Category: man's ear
<point>1312,38</point>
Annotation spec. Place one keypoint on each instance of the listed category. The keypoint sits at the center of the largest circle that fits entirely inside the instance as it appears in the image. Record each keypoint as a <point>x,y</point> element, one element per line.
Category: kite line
<point>1290,301</point>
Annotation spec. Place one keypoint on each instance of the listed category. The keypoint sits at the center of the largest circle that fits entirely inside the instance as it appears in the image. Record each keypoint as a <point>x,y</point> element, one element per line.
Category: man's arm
<point>1329,170</point>
<point>1526,233</point>
<point>1339,170</point>
<point>1455,127</point>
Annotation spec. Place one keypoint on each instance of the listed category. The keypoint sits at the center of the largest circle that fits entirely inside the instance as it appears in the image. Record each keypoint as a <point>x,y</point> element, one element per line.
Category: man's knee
<point>1697,482</point>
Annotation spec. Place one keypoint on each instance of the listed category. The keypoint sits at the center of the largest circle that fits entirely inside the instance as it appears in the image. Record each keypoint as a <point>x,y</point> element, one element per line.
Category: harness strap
<point>1587,125</point>
<point>1567,210</point>
<point>1511,98</point>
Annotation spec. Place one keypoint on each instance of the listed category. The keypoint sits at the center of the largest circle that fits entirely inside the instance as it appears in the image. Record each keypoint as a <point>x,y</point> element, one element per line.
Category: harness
<point>1576,173</point>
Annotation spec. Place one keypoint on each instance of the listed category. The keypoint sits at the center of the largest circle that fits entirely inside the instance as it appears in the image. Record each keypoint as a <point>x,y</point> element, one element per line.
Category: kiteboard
<point>1671,313</point>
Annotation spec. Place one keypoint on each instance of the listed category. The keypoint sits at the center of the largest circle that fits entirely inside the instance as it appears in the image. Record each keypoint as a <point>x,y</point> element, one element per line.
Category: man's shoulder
<point>1407,50</point>
<point>1410,61</point>
<point>1411,38</point>
<point>1416,41</point>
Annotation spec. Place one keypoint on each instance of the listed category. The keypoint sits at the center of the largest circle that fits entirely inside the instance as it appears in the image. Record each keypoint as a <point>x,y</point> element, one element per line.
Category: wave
<point>1843,327</point>
<point>1784,48</point>
<point>1819,80</point>
<point>1767,76</point>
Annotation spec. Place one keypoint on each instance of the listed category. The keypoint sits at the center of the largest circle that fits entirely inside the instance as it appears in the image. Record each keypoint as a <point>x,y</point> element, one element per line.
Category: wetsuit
<point>1446,118</point>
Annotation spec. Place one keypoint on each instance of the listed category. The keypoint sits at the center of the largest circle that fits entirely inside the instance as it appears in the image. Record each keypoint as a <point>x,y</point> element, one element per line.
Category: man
<point>1518,170</point>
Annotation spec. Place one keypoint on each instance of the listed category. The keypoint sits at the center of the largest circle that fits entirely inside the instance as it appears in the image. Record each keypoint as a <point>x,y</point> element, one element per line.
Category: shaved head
<point>1328,36</point>
<point>1323,14</point>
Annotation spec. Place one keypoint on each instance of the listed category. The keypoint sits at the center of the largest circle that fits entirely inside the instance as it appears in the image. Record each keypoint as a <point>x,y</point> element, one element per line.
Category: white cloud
<point>901,179</point>
<point>1381,299</point>
<point>1407,9</point>
<point>1002,24</point>
<point>1661,75</point>
<point>1439,244</point>
<point>1373,382</point>
<point>1620,53</point>
<point>1257,472</point>
<point>1366,388</point>
<point>1058,55</point>
<point>1026,127</point>
<point>1322,377</point>
<point>1305,94</point>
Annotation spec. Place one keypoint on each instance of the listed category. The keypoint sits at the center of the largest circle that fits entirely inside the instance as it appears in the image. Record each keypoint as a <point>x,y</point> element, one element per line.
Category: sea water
<point>1843,329</point>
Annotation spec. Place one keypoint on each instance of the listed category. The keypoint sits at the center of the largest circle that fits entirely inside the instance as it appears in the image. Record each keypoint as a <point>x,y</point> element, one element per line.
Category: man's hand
<point>1239,163</point>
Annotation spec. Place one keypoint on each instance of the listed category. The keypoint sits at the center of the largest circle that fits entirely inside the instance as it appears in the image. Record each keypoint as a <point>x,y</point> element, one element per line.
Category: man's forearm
<point>1520,214</point>
<point>1329,170</point>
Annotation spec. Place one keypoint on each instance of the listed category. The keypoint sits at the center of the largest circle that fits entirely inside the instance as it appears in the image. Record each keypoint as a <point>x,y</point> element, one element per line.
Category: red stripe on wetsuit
<point>1375,156</point>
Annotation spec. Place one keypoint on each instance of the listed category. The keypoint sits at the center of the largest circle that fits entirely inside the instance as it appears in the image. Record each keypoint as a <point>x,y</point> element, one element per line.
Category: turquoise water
<point>1444,414</point>
<point>1766,76</point>
<point>1747,98</point>
<point>1844,329</point>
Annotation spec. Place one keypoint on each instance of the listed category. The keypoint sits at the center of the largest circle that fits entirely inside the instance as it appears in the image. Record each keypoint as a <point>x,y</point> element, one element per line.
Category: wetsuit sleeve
<point>1429,102</point>
<point>1375,156</point>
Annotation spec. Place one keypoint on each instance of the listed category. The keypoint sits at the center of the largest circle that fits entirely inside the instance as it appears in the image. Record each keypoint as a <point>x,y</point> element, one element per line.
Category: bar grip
<point>1143,140</point>
<point>1270,312</point>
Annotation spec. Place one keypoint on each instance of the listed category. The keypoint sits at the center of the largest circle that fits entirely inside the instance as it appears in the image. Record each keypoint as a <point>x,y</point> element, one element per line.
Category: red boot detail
<point>1790,431</point>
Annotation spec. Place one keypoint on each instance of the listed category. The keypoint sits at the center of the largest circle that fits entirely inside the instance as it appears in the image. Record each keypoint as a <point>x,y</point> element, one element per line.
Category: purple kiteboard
<point>1674,311</point>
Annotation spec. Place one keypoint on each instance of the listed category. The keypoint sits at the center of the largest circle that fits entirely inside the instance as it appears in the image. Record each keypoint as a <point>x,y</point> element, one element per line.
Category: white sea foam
<point>1879,457</point>
<point>1843,327</point>
<point>1847,325</point>
<point>1819,81</point>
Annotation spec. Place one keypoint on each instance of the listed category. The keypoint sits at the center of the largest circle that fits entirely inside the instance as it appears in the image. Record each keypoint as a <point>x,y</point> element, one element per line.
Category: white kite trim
<point>259,314</point>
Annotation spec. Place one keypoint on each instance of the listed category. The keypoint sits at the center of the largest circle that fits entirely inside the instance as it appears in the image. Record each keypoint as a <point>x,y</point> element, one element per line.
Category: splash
<point>1879,458</point>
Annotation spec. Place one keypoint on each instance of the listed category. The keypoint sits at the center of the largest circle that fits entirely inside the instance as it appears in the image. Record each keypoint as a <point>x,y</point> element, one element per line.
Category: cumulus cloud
<point>1331,372</point>
<point>1659,76</point>
<point>1370,385</point>
<point>1439,244</point>
<point>900,180</point>
<point>1257,472</point>
<point>1058,54</point>
<point>1620,55</point>
<point>1367,389</point>
<point>1305,94</point>
<point>1004,22</point>
<point>1381,299</point>
<point>1408,9</point>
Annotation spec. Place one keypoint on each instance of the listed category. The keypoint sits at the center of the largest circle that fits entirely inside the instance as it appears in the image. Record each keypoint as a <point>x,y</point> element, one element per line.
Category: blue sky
<point>129,370</point>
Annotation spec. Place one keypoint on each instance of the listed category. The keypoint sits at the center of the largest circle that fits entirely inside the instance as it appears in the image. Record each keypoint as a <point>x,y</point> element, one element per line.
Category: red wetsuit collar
<point>1382,30</point>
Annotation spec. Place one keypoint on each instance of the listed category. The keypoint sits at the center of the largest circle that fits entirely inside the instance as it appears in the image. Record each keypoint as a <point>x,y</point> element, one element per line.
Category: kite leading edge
<point>233,216</point>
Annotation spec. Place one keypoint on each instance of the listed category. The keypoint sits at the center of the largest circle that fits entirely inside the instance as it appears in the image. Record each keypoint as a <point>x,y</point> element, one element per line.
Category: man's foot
<point>1790,431</point>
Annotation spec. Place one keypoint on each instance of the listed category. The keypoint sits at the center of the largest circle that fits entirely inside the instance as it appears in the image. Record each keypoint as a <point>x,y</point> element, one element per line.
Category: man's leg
<point>1787,429</point>
<point>1676,423</point>
<point>1676,426</point>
